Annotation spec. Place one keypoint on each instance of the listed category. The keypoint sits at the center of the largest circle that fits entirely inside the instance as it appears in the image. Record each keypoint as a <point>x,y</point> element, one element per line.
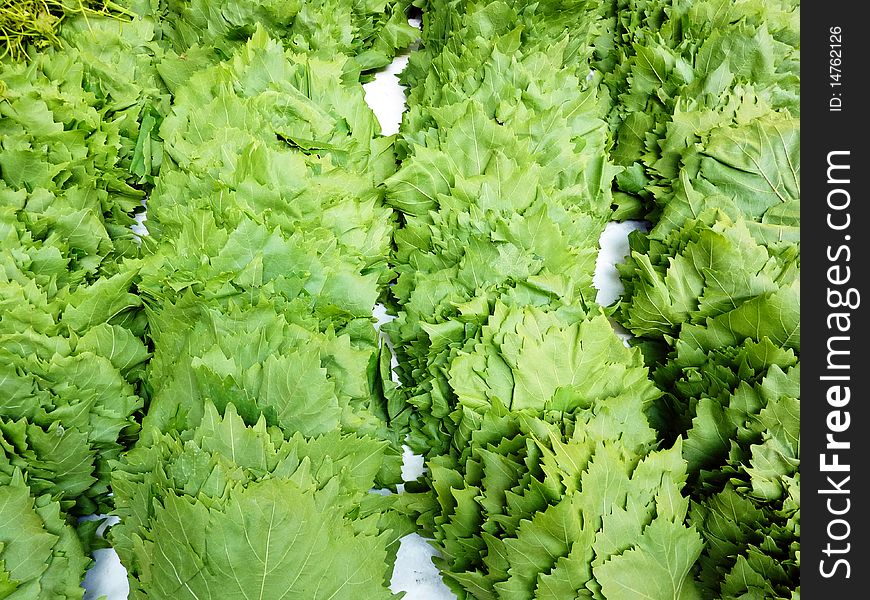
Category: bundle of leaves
<point>577,357</point>
<point>716,304</point>
<point>748,169</point>
<point>721,264</point>
<point>235,510</point>
<point>305,277</point>
<point>368,32</point>
<point>69,362</point>
<point>683,68</point>
<point>28,25</point>
<point>708,126</point>
<point>71,325</point>
<point>280,139</point>
<point>737,405</point>
<point>71,155</point>
<point>710,270</point>
<point>40,554</point>
<point>563,507</point>
<point>503,189</point>
<point>269,246</point>
<point>552,487</point>
<point>744,455</point>
<point>470,39</point>
<point>271,363</point>
<point>267,251</point>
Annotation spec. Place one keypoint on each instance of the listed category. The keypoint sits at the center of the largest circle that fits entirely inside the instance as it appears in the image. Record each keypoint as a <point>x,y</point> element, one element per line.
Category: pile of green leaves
<point>368,33</point>
<point>582,507</point>
<point>707,125</point>
<point>703,105</point>
<point>683,69</point>
<point>72,353</point>
<point>580,360</point>
<point>214,375</point>
<point>40,554</point>
<point>268,248</point>
<point>555,487</point>
<point>544,476</point>
<point>240,510</point>
<point>69,367</point>
<point>503,190</point>
<point>70,328</point>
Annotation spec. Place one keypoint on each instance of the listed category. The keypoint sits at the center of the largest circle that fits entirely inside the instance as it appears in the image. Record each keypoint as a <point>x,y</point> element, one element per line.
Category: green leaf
<point>658,566</point>
<point>40,555</point>
<point>297,513</point>
<point>99,303</point>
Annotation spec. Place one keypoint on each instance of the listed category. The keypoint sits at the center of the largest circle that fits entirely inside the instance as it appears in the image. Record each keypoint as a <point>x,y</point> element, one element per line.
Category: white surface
<point>106,578</point>
<point>414,572</point>
<point>386,96</point>
<point>614,249</point>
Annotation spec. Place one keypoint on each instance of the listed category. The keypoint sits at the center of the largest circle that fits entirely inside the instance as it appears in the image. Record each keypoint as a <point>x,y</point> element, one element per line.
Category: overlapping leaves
<point>503,189</point>
<point>40,554</point>
<point>270,247</point>
<point>708,120</point>
<point>283,228</point>
<point>566,507</point>
<point>370,32</point>
<point>69,325</point>
<point>237,510</point>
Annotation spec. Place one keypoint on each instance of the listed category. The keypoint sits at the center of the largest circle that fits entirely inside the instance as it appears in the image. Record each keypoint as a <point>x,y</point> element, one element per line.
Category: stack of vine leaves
<point>211,383</point>
<point>562,464</point>
<point>214,376</point>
